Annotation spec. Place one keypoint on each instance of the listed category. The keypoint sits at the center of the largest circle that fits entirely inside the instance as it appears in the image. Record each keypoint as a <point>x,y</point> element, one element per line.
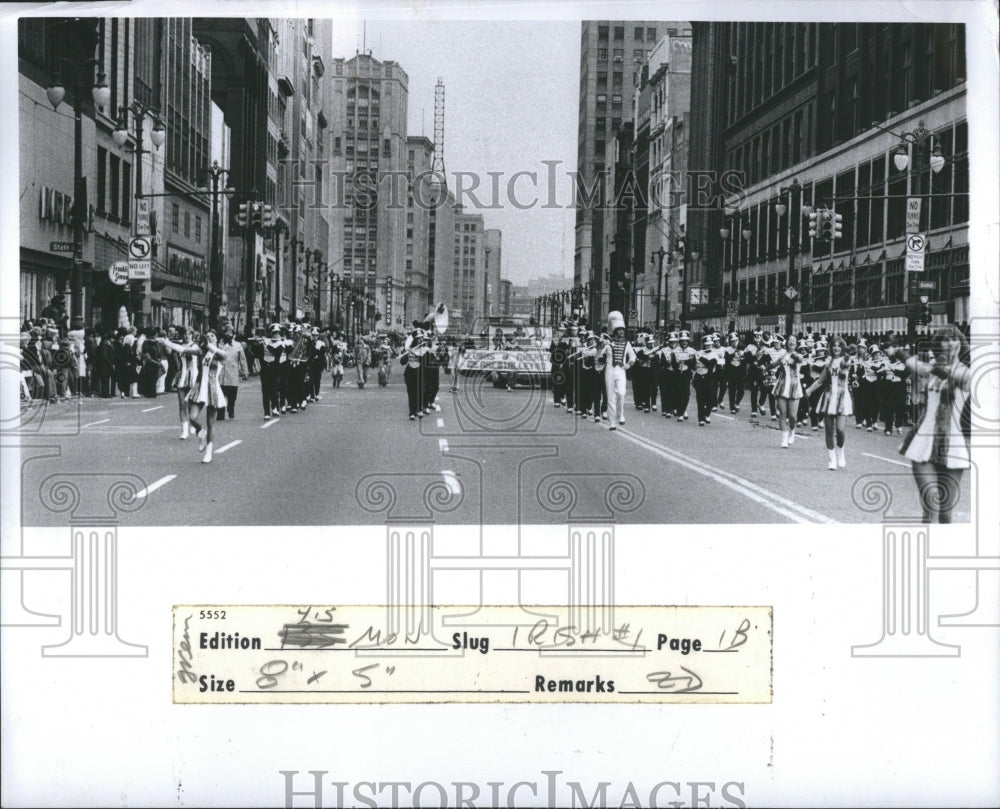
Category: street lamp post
<point>215,173</point>
<point>486,286</point>
<point>918,147</point>
<point>317,266</point>
<point>792,195</point>
<point>121,134</point>
<point>101,96</point>
<point>656,257</point>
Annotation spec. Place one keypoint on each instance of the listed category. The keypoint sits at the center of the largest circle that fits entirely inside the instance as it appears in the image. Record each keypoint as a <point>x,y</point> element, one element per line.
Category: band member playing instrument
<point>755,371</point>
<point>669,376</point>
<point>705,388</point>
<point>413,360</point>
<point>270,352</point>
<point>558,352</point>
<point>683,362</point>
<point>833,384</point>
<point>734,372</point>
<point>600,369</point>
<point>620,356</point>
<point>787,388</point>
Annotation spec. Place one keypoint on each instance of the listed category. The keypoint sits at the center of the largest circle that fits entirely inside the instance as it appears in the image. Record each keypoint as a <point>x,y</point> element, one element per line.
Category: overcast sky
<point>510,103</point>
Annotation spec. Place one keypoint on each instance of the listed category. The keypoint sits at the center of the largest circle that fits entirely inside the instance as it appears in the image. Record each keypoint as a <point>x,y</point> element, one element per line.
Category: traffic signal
<point>924,316</point>
<point>814,224</point>
<point>241,215</point>
<point>268,216</point>
<point>838,225</point>
<point>257,215</point>
<point>826,225</point>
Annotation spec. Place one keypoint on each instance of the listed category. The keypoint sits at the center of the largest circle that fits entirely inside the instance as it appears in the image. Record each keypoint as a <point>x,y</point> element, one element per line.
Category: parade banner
<point>532,361</point>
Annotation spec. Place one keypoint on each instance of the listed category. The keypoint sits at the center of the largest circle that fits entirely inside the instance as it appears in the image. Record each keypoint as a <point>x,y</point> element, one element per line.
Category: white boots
<point>841,458</point>
<point>208,454</point>
<point>185,430</point>
<point>833,459</point>
<point>791,437</point>
<point>784,439</point>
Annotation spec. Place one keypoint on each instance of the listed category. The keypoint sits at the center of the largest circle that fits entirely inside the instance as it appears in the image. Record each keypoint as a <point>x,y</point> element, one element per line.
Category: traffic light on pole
<point>826,225</point>
<point>257,215</point>
<point>924,316</point>
<point>241,215</point>
<point>814,224</point>
<point>838,225</point>
<point>268,216</point>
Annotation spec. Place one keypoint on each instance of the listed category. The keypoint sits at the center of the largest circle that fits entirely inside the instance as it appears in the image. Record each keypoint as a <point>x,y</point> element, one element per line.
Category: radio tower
<point>438,164</point>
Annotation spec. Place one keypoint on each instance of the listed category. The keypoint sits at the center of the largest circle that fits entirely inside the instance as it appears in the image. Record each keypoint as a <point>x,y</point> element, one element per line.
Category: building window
<point>602,32</point>
<point>602,81</point>
<point>102,179</point>
<point>175,218</point>
<point>617,81</point>
<point>602,54</point>
<point>197,229</point>
<point>637,54</point>
<point>638,34</point>
<point>619,32</point>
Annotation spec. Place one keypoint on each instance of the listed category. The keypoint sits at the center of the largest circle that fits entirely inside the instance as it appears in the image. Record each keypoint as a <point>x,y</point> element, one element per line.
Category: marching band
<point>802,381</point>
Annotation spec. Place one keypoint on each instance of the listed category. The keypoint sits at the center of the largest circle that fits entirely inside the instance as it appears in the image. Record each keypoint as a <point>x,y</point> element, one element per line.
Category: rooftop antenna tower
<point>438,164</point>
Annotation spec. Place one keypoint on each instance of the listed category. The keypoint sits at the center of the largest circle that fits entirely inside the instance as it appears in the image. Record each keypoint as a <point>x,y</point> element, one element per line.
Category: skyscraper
<point>611,55</point>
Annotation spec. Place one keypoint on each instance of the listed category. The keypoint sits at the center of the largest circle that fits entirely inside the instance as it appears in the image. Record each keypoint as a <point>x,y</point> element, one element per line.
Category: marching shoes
<point>207,458</point>
<point>841,458</point>
<point>833,459</point>
<point>784,439</point>
<point>185,430</point>
<point>202,435</point>
<point>791,438</point>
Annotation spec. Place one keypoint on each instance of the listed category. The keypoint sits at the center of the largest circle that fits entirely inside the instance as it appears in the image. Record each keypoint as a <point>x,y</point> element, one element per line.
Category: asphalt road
<point>487,457</point>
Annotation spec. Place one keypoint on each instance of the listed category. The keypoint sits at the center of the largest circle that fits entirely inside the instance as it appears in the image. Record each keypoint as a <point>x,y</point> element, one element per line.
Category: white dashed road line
<point>887,460</point>
<point>443,444</point>
<point>151,409</point>
<point>267,424</point>
<point>230,445</point>
<point>94,423</point>
<point>440,422</point>
<point>154,486</point>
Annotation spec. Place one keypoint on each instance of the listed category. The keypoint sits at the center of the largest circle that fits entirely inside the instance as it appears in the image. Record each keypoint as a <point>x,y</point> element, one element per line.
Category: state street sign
<point>118,273</point>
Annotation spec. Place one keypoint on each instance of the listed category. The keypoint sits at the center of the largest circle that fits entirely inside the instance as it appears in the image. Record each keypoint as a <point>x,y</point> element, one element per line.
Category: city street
<point>487,457</point>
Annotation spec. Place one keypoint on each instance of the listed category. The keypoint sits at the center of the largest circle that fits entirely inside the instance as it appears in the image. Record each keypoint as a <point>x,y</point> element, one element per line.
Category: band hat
<point>777,340</point>
<point>672,337</point>
<point>707,340</point>
<point>616,320</point>
<point>734,337</point>
<point>684,335</point>
<point>275,327</point>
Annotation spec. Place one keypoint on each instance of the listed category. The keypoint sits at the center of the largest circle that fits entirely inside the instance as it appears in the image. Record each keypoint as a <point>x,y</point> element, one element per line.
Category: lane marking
<point>887,460</point>
<point>151,409</point>
<point>443,444</point>
<point>782,505</point>
<point>267,424</point>
<point>230,445</point>
<point>102,421</point>
<point>451,481</point>
<point>154,486</point>
<point>720,416</point>
<point>440,422</point>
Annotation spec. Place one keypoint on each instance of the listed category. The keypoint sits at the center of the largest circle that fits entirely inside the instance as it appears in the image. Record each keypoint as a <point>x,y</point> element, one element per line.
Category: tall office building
<point>492,256</point>
<point>469,268</point>
<point>367,119</point>
<point>611,53</point>
<point>788,109</point>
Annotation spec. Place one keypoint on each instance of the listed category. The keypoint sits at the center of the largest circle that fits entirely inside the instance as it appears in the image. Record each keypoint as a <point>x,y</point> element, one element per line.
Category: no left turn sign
<point>139,247</point>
